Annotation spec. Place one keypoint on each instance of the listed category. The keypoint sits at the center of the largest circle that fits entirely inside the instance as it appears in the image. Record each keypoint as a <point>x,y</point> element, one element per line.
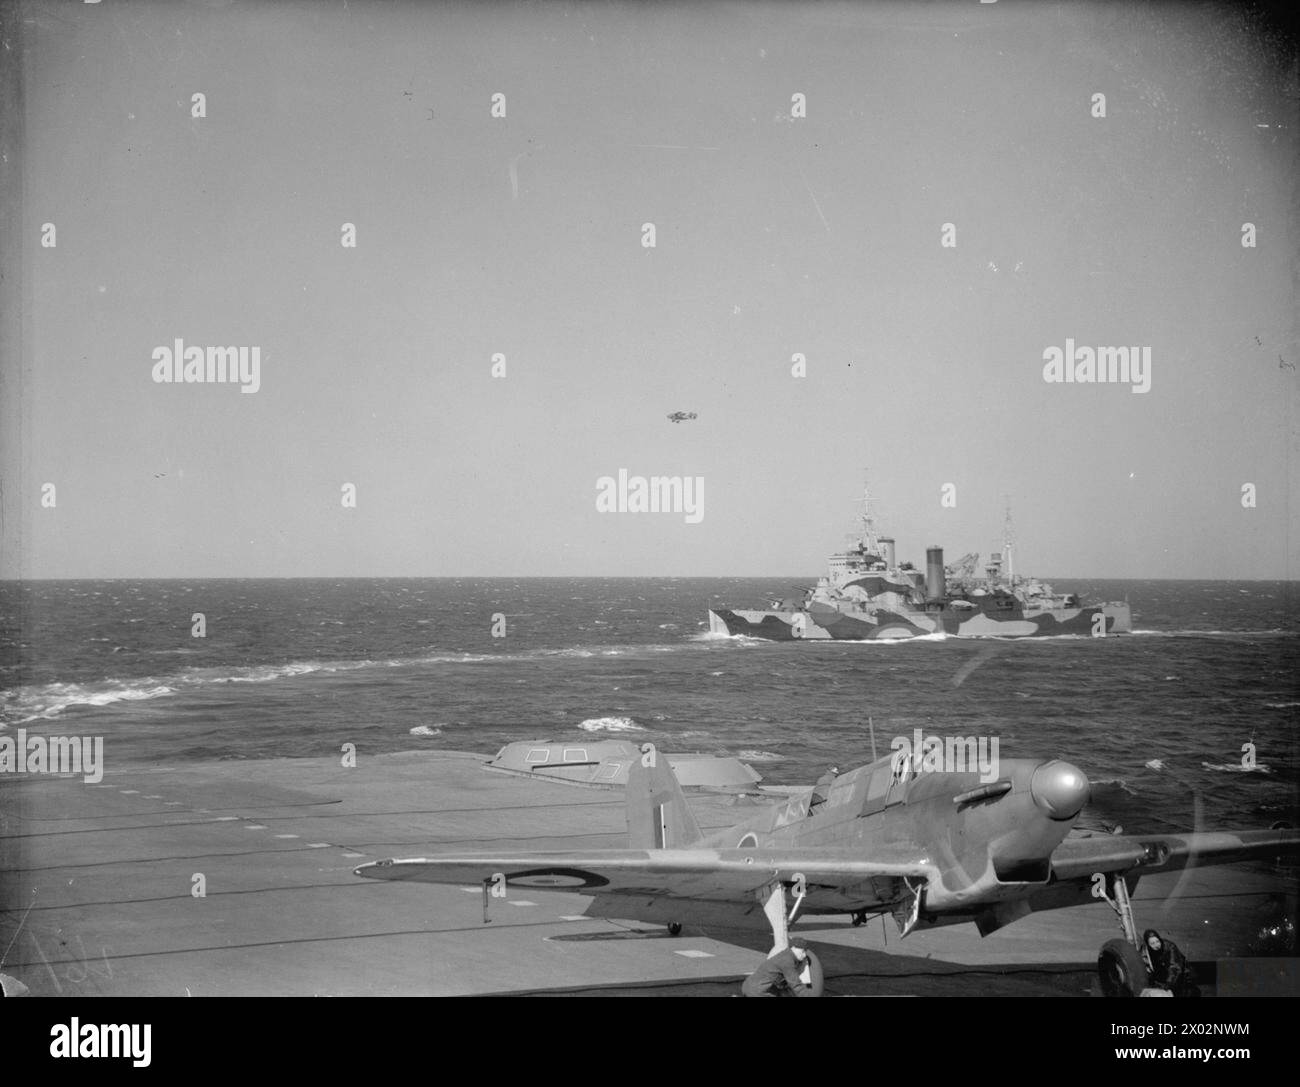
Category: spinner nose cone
<point>1060,789</point>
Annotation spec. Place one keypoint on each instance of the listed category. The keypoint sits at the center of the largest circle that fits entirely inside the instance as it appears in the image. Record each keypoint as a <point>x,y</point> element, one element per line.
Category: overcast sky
<point>522,235</point>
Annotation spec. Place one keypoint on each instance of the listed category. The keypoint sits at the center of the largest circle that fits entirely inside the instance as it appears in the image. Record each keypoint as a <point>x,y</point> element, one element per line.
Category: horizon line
<point>572,577</point>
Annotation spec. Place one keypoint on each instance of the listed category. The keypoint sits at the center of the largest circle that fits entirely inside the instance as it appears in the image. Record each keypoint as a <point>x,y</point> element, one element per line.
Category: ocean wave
<point>904,639</point>
<point>1116,784</point>
<point>270,672</point>
<point>1211,633</point>
<point>567,653</point>
<point>425,730</point>
<point>1281,705</point>
<point>49,701</point>
<point>610,724</point>
<point>760,756</point>
<point>1236,768</point>
<point>735,639</point>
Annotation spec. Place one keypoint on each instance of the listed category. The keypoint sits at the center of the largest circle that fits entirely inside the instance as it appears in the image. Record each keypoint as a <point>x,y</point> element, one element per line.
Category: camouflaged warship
<point>868,594</point>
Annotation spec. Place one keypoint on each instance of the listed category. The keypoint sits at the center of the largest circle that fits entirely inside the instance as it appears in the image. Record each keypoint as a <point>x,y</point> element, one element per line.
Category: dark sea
<point>297,668</point>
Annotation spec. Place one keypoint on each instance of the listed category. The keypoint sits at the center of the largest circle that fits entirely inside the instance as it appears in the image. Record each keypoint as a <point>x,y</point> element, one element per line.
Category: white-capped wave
<point>1236,768</point>
<point>760,756</point>
<point>426,730</point>
<point>720,636</point>
<point>266,673</point>
<point>1120,783</point>
<point>51,700</point>
<point>902,639</point>
<point>46,702</point>
<point>1209,633</point>
<point>610,724</point>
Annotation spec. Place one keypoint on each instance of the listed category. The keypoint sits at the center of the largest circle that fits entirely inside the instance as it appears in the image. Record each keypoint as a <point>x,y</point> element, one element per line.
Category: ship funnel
<point>935,585</point>
<point>887,542</point>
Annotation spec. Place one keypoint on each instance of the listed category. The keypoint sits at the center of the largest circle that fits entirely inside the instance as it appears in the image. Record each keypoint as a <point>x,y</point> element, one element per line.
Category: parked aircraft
<point>929,847</point>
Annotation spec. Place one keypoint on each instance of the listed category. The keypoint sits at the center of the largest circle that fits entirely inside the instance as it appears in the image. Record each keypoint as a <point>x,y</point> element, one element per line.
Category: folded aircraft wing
<point>1077,858</point>
<point>711,874</point>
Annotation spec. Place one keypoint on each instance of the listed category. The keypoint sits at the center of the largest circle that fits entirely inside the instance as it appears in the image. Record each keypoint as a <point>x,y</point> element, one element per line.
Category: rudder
<point>658,816</point>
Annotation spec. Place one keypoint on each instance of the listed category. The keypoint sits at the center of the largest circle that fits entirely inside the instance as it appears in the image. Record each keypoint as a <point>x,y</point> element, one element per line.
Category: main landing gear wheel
<point>813,977</point>
<point>674,928</point>
<point>859,918</point>
<point>1121,969</point>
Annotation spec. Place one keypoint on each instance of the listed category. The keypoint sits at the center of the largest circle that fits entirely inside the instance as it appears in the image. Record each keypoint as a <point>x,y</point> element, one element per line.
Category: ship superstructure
<point>868,594</point>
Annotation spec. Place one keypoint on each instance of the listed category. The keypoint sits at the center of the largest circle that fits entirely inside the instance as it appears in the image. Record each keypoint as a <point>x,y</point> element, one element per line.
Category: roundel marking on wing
<point>749,841</point>
<point>556,879</point>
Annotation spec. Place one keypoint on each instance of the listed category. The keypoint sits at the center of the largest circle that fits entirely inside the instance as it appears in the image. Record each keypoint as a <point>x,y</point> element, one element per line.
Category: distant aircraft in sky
<point>682,416</point>
<point>932,847</point>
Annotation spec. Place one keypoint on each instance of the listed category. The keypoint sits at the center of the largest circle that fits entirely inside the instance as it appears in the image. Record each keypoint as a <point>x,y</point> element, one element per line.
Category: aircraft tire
<point>1121,969</point>
<point>674,928</point>
<point>818,982</point>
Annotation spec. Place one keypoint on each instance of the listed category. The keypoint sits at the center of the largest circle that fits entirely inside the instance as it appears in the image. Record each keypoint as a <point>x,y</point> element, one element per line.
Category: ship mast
<point>869,540</point>
<point>1008,539</point>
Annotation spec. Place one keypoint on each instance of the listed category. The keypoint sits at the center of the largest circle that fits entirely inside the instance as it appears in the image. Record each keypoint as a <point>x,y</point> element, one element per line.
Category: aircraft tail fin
<point>658,816</point>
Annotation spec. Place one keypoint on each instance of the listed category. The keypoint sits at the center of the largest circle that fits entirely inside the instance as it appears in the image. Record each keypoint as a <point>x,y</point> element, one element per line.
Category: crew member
<point>1168,965</point>
<point>823,787</point>
<point>780,973</point>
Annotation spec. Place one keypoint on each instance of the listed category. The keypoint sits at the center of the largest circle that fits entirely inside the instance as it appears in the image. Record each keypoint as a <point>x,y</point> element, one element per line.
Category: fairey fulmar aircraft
<point>931,848</point>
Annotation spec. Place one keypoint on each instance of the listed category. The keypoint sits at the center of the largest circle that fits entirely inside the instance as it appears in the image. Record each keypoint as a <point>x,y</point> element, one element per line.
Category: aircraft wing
<point>1077,858</point>
<point>724,875</point>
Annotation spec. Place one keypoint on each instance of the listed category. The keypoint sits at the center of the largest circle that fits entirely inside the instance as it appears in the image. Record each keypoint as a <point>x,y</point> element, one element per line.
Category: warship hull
<point>819,622</point>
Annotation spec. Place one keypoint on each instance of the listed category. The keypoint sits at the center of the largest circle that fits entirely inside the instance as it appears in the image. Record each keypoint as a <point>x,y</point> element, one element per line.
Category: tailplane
<point>658,816</point>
